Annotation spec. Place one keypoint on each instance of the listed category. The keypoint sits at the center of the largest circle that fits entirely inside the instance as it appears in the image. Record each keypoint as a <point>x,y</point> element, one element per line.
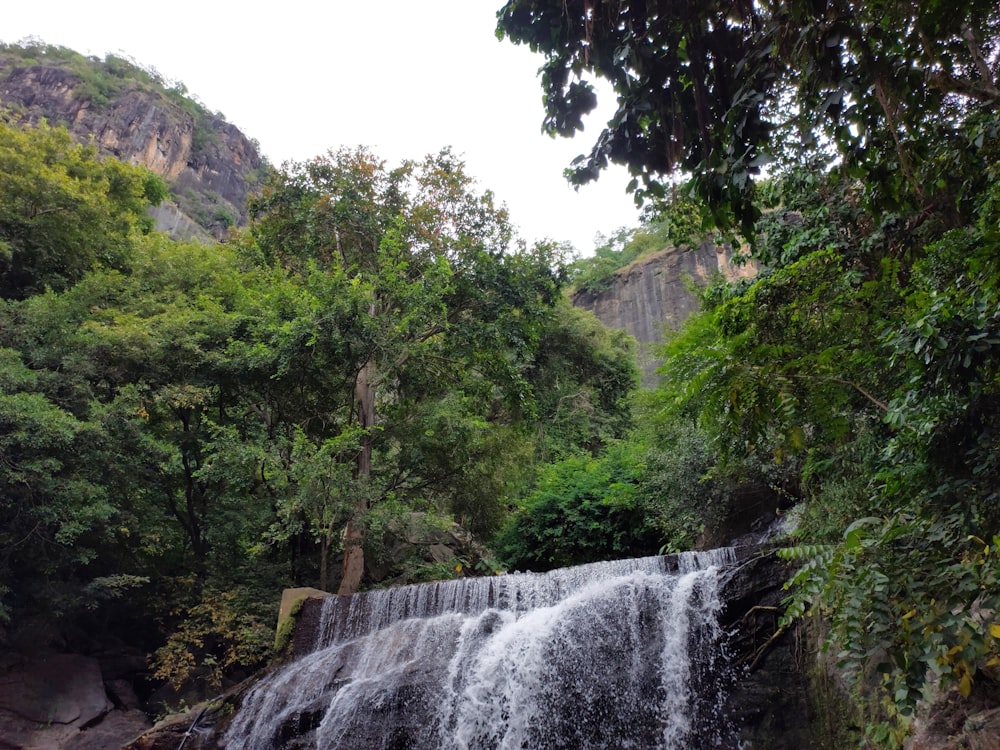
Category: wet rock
<point>769,697</point>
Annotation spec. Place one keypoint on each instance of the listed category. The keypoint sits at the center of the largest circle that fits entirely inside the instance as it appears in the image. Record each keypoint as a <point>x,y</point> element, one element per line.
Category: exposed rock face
<point>771,699</point>
<point>170,219</point>
<point>210,166</point>
<point>952,722</point>
<point>416,539</point>
<point>657,293</point>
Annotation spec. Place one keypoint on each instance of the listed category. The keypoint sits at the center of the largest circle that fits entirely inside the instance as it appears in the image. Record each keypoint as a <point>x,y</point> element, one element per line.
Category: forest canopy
<point>188,429</point>
<point>716,90</point>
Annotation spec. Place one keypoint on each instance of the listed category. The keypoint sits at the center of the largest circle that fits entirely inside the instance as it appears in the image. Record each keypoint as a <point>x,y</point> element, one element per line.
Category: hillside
<point>134,114</point>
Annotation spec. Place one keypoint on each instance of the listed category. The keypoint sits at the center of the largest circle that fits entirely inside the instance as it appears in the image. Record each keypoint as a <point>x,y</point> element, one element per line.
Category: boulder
<point>292,601</point>
<point>45,701</point>
<point>57,689</point>
<point>60,702</point>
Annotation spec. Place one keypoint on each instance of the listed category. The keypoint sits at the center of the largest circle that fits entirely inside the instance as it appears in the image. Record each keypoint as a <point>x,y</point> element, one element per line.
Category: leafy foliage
<point>216,636</point>
<point>581,510</point>
<point>710,89</point>
<point>178,424</point>
<point>64,211</point>
<point>583,377</point>
<point>421,303</point>
<point>861,366</point>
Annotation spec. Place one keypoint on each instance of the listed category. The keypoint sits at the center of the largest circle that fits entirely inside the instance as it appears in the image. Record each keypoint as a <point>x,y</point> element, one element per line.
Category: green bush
<point>583,509</point>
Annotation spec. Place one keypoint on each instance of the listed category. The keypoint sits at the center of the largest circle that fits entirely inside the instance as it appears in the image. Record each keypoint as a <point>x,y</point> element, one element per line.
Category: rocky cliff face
<point>209,165</point>
<point>657,293</point>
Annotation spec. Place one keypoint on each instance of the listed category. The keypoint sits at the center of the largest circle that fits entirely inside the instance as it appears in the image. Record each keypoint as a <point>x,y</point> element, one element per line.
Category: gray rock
<point>657,293</point>
<point>57,689</point>
<point>46,701</point>
<point>116,729</point>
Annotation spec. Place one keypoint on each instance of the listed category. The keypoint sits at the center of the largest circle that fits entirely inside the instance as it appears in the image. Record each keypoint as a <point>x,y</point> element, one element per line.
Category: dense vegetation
<point>186,430</point>
<point>858,375</point>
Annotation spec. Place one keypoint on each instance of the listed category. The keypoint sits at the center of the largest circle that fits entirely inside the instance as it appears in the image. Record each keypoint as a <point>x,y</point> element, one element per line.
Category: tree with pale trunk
<point>421,293</point>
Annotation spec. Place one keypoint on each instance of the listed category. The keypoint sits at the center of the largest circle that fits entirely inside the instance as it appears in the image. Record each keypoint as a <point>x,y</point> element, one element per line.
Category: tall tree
<point>426,298</point>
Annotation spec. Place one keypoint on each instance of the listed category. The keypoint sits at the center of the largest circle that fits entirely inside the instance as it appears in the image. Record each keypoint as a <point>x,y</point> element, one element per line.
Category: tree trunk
<point>354,559</point>
<point>324,561</point>
<point>354,535</point>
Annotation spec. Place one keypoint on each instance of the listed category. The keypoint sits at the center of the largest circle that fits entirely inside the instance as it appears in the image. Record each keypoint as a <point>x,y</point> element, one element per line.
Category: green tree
<point>583,377</point>
<point>162,436</point>
<point>423,299</point>
<point>54,507</point>
<point>858,372</point>
<point>64,210</point>
<point>709,88</point>
<point>582,509</point>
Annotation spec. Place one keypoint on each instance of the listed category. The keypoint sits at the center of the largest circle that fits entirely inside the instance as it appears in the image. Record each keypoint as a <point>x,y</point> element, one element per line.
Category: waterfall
<point>609,655</point>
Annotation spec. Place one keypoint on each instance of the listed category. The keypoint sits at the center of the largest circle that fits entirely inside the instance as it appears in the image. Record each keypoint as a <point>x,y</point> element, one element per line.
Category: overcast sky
<point>405,78</point>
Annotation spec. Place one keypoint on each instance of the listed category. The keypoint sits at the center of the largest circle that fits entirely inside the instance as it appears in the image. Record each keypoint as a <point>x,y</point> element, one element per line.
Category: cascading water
<point>609,655</point>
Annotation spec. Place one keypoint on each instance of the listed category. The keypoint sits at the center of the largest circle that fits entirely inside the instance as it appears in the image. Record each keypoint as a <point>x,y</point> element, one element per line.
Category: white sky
<point>403,77</point>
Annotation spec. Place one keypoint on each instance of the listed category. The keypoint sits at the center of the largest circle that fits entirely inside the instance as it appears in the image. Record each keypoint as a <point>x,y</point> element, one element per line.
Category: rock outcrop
<point>209,165</point>
<point>414,541</point>
<point>955,722</point>
<point>658,292</point>
<point>771,699</point>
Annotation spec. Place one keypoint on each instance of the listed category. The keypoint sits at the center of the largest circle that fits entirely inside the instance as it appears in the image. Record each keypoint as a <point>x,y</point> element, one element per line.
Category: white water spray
<point>597,656</point>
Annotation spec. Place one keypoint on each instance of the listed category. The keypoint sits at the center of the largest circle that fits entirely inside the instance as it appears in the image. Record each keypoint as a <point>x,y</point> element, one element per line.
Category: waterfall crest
<point>609,655</point>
